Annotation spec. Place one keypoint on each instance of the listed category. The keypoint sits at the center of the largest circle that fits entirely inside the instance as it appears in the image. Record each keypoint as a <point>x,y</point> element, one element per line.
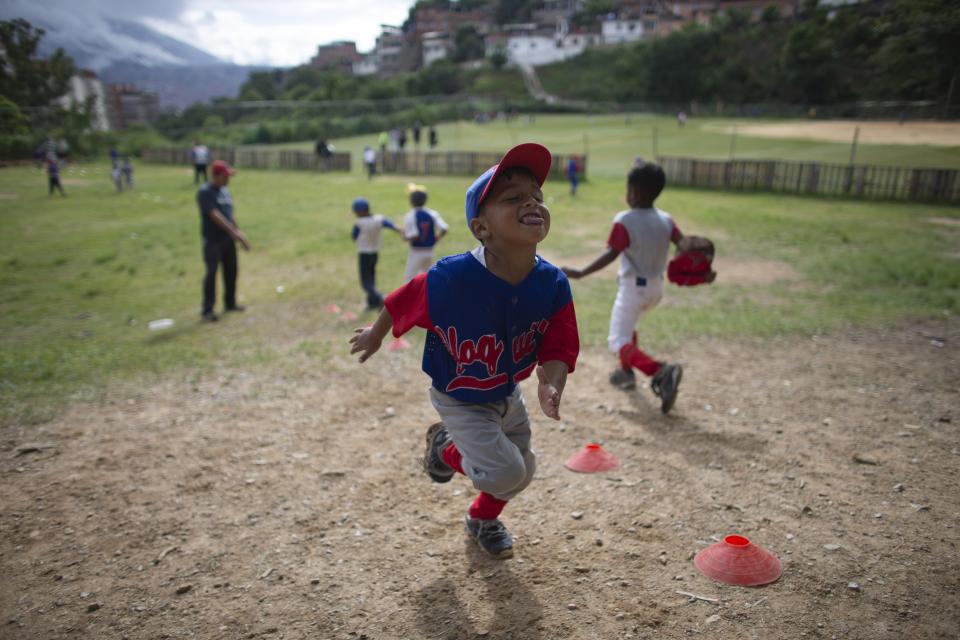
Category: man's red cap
<point>219,166</point>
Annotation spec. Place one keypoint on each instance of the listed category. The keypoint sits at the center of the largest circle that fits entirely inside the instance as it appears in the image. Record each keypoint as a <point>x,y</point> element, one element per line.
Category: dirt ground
<point>941,134</point>
<point>287,503</point>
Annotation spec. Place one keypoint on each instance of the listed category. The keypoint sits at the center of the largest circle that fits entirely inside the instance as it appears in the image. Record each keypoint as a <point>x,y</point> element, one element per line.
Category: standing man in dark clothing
<point>433,136</point>
<point>220,233</point>
<point>53,176</point>
<point>416,134</point>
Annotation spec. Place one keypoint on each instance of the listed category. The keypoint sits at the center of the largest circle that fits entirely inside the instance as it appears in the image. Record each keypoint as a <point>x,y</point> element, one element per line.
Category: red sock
<point>452,457</point>
<point>486,507</point>
<point>631,356</point>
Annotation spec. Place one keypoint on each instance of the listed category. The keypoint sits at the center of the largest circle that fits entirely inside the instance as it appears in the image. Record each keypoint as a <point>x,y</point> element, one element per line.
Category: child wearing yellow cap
<point>422,228</point>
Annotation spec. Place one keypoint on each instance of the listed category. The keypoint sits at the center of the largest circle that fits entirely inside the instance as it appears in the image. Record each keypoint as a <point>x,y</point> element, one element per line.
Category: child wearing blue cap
<point>366,233</point>
<point>493,316</point>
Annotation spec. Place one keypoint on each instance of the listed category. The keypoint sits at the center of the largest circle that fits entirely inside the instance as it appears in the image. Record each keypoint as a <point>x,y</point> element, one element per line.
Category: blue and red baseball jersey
<point>484,335</point>
<point>420,227</point>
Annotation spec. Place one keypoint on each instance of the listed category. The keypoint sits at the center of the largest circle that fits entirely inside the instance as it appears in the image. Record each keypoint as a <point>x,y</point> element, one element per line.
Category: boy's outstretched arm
<point>551,379</point>
<point>366,340</point>
<point>602,260</point>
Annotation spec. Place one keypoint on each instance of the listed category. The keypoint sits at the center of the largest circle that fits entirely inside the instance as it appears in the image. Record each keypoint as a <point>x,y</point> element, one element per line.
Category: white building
<point>529,44</point>
<point>366,66</point>
<point>619,30</point>
<point>84,86</point>
<point>436,46</point>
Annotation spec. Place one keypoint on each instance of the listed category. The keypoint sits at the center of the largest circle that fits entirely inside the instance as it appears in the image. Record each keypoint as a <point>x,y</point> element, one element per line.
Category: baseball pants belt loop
<point>641,281</point>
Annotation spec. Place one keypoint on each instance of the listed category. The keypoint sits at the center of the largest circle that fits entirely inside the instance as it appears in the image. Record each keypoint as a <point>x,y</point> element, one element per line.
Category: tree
<point>810,64</point>
<point>24,79</point>
<point>467,44</point>
<point>498,60</point>
<point>508,11</point>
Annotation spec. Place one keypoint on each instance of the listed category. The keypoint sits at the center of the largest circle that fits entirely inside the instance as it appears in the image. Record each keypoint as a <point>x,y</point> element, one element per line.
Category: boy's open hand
<point>364,342</point>
<point>548,395</point>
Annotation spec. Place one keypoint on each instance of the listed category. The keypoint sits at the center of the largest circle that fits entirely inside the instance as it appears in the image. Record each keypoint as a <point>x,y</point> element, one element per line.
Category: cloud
<point>280,32</point>
<point>87,11</point>
<point>82,27</point>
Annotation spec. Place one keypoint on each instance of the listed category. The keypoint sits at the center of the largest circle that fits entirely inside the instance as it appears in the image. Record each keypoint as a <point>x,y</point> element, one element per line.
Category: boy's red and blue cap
<point>360,204</point>
<point>533,156</point>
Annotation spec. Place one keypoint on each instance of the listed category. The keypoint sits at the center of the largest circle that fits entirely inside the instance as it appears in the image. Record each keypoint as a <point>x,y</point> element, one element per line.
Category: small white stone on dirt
<point>790,536</point>
<point>711,619</point>
<point>827,421</point>
<point>831,547</point>
<point>576,515</point>
<point>572,606</point>
<point>853,586</point>
<point>898,487</point>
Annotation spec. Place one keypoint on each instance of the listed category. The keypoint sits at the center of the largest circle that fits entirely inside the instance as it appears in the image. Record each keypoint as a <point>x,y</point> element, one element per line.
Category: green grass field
<point>612,142</point>
<point>82,276</point>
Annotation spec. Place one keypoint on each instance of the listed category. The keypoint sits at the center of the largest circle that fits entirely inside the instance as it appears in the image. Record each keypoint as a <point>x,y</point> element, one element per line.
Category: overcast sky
<point>260,32</point>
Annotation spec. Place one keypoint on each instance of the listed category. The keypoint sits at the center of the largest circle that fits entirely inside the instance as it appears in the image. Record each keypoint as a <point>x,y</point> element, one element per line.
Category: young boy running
<point>366,233</point>
<point>493,315</point>
<point>641,236</point>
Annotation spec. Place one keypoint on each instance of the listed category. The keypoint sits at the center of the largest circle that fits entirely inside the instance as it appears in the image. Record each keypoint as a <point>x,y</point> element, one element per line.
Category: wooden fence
<point>857,181</point>
<point>471,163</point>
<point>255,158</point>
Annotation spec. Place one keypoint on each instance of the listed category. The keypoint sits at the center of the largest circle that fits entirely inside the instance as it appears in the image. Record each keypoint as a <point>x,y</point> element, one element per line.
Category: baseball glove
<point>693,262</point>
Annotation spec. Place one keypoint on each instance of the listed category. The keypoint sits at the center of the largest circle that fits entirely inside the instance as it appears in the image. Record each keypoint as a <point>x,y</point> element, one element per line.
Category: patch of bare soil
<point>288,503</point>
<point>941,134</point>
<point>754,272</point>
<point>946,222</point>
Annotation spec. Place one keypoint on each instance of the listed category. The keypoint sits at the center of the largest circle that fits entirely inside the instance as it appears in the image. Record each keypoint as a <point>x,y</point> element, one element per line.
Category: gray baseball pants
<point>494,440</point>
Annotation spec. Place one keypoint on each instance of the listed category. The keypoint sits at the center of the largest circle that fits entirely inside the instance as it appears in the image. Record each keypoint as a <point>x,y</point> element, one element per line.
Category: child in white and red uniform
<point>641,236</point>
<point>493,316</point>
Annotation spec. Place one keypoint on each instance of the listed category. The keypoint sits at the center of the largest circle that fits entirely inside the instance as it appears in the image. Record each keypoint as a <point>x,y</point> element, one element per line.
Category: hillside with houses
<point>525,33</point>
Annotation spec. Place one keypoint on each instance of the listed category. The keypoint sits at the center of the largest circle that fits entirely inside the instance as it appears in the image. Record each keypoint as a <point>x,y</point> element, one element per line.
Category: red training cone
<point>348,316</point>
<point>332,308</point>
<point>398,344</point>
<point>738,561</point>
<point>591,459</point>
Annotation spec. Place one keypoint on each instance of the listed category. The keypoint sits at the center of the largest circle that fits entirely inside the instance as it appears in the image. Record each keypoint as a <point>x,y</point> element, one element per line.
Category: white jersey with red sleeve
<point>642,236</point>
<point>484,334</point>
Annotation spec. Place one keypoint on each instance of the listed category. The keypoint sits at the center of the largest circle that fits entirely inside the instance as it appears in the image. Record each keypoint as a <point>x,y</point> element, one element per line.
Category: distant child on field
<point>572,174</point>
<point>493,316</point>
<point>370,160</point>
<point>641,236</point>
<point>127,172</point>
<point>116,174</point>
<point>366,233</point>
<point>422,228</point>
<point>53,176</point>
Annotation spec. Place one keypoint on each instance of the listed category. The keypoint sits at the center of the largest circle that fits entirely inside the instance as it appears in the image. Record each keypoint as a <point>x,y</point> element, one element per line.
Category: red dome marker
<point>332,308</point>
<point>348,316</point>
<point>738,561</point>
<point>591,459</point>
<point>398,344</point>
